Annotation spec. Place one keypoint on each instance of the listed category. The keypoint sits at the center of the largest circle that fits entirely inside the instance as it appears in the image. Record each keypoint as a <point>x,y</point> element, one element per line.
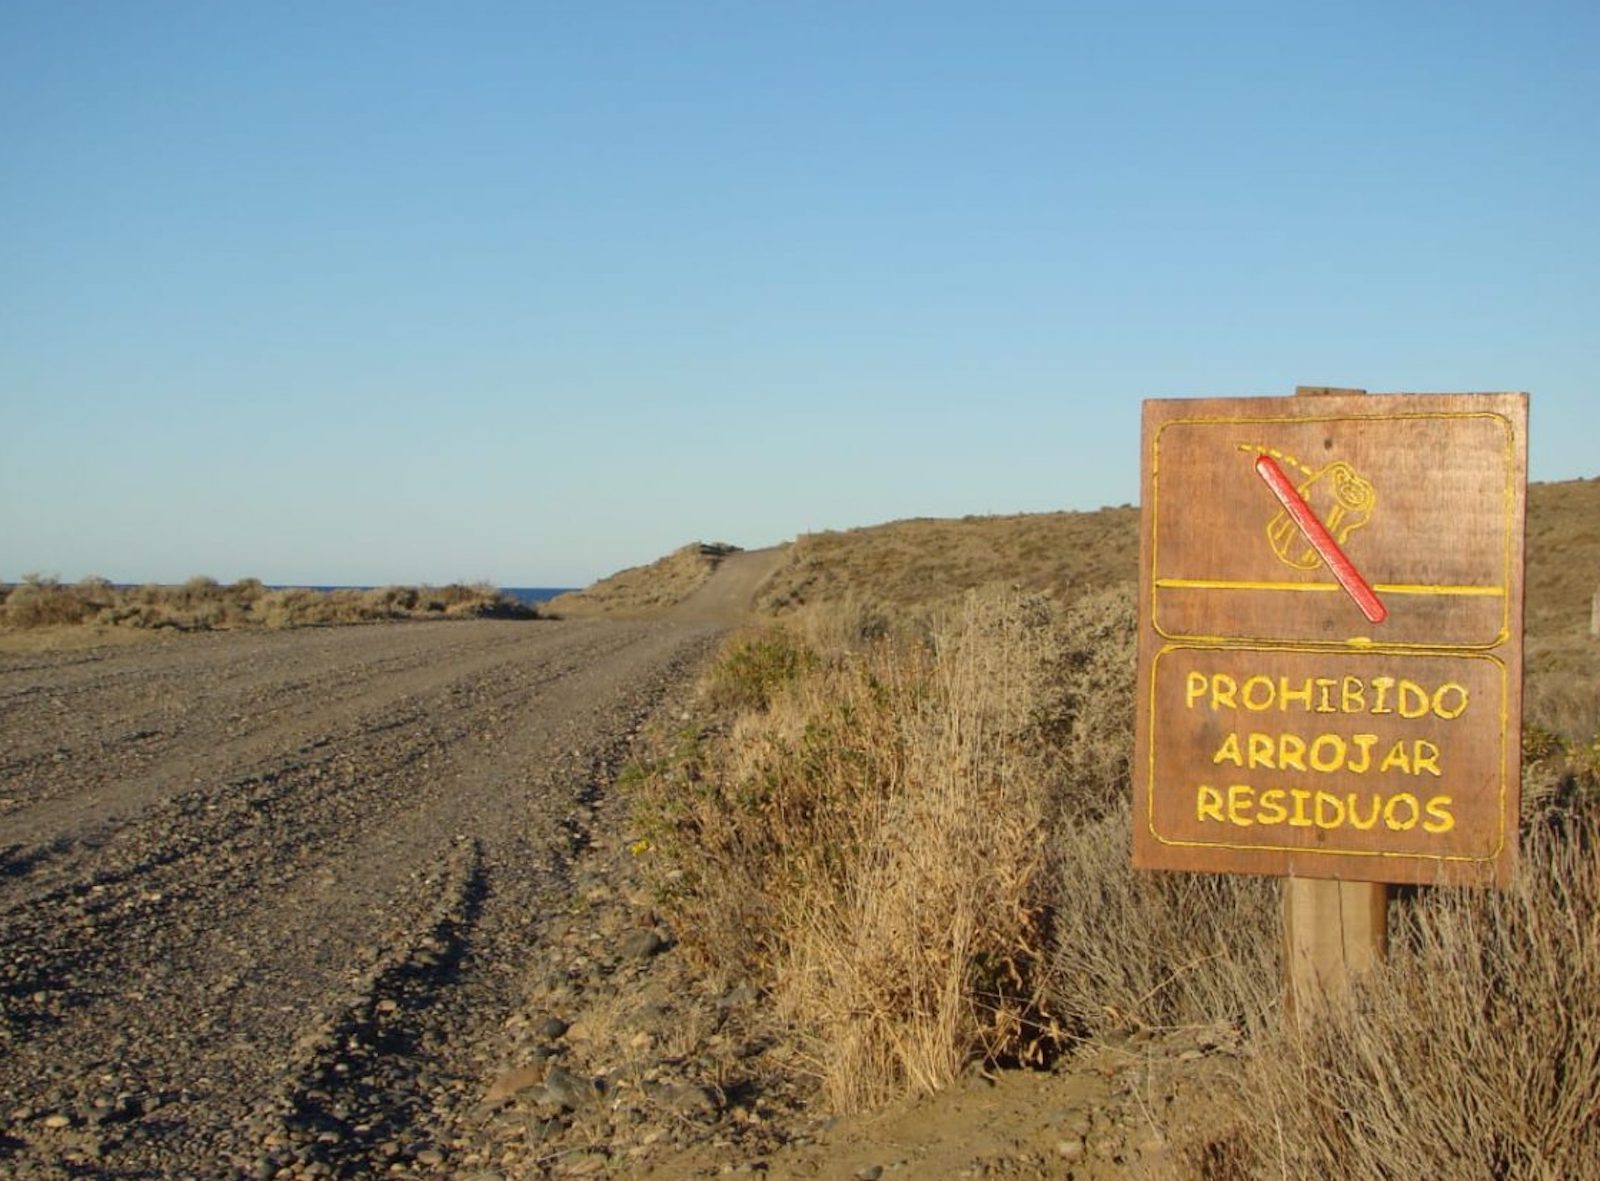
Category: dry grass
<point>1563,555</point>
<point>919,949</point>
<point>203,604</point>
<point>921,848</point>
<point>1474,1053</point>
<point>872,842</point>
<point>1134,950</point>
<point>41,601</point>
<point>905,565</point>
<point>1129,949</point>
<point>912,824</point>
<point>643,589</point>
<point>1563,575</point>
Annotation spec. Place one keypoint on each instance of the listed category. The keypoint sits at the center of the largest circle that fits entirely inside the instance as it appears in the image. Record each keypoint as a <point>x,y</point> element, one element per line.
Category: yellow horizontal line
<point>1405,588</point>
<point>1383,588</point>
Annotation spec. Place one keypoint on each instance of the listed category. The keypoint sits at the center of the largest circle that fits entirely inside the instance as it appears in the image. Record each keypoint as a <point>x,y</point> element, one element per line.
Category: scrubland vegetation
<point>649,587</point>
<point>919,563</point>
<point>203,604</point>
<point>909,820</point>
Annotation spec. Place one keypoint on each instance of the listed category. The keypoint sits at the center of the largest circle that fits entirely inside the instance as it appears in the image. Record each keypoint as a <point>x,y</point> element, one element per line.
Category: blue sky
<point>369,292</point>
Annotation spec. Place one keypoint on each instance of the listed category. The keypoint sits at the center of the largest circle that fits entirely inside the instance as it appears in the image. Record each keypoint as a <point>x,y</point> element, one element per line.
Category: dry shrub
<point>850,623</point>
<point>97,593</point>
<point>873,844</point>
<point>204,604</point>
<point>1135,949</point>
<point>1562,686</point>
<point>1132,948</point>
<point>41,601</point>
<point>744,816</point>
<point>920,948</point>
<point>1086,702</point>
<point>922,848</point>
<point>303,608</point>
<point>297,607</point>
<point>391,601</point>
<point>1560,778</point>
<point>1473,1054</point>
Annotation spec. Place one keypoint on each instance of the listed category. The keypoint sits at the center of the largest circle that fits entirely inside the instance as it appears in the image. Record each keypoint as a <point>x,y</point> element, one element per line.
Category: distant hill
<point>643,589</point>
<point>907,564</point>
<point>1563,570</point>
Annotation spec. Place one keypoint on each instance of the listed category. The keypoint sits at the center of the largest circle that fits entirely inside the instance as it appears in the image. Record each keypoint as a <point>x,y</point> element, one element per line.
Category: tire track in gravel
<point>269,943</point>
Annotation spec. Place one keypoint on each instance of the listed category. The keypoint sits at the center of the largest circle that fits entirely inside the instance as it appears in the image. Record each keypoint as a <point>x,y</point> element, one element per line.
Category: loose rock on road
<point>265,897</point>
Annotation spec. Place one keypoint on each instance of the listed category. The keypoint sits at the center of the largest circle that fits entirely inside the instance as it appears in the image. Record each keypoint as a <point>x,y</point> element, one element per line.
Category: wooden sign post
<point>1330,652</point>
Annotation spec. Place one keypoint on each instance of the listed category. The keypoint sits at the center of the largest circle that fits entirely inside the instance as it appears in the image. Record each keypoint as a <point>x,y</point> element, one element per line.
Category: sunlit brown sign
<point>1330,648</point>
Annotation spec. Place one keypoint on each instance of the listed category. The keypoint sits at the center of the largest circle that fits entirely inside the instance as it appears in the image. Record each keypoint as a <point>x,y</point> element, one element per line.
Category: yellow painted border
<point>1319,650</point>
<point>1354,642</point>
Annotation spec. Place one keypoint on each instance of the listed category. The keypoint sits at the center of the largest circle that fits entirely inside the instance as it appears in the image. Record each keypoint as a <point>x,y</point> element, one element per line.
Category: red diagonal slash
<point>1320,539</point>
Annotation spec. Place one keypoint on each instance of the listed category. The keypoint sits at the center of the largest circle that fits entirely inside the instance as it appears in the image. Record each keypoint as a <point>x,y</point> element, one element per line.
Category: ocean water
<point>523,594</point>
<point>535,594</point>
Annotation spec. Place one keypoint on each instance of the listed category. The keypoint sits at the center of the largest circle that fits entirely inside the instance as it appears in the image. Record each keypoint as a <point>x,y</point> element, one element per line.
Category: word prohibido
<point>1325,695</point>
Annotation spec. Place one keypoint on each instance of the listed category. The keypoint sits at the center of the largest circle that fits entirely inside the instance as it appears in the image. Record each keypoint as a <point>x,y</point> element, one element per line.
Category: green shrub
<point>752,666</point>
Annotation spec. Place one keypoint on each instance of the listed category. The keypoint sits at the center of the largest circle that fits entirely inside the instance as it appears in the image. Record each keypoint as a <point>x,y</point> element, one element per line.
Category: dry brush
<point>915,834</point>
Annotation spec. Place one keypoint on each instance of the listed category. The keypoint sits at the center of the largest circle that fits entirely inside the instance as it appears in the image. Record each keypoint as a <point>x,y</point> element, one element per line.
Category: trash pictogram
<point>1349,500</point>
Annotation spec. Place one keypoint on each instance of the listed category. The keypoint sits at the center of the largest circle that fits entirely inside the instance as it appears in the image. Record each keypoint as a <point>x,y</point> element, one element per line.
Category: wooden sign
<point>1330,649</point>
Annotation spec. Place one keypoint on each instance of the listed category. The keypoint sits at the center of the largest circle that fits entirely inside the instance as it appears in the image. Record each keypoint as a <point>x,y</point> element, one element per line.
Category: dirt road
<point>260,891</point>
<point>729,594</point>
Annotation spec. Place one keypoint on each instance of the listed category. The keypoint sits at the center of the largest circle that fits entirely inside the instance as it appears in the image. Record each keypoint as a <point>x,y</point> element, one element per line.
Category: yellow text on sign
<point>1299,748</point>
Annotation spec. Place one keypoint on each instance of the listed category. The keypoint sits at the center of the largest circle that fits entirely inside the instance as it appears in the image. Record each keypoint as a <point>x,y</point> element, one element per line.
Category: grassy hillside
<point>659,584</point>
<point>1563,555</point>
<point>908,564</point>
<point>1563,574</point>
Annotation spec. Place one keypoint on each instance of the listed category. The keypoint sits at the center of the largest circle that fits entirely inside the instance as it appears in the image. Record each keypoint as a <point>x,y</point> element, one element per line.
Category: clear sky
<point>365,292</point>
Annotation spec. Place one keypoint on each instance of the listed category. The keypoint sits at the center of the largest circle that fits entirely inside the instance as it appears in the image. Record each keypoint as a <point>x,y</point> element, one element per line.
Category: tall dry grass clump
<point>921,847</point>
<point>855,621</point>
<point>921,948</point>
<point>1140,950</point>
<point>872,843</point>
<point>1133,949</point>
<point>1473,1054</point>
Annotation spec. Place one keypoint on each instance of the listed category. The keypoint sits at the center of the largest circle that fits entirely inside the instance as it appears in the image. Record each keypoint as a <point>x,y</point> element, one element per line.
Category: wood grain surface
<point>1287,724</point>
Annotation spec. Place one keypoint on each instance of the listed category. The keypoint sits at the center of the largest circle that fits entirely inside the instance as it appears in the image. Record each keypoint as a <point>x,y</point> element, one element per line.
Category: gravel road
<point>266,897</point>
